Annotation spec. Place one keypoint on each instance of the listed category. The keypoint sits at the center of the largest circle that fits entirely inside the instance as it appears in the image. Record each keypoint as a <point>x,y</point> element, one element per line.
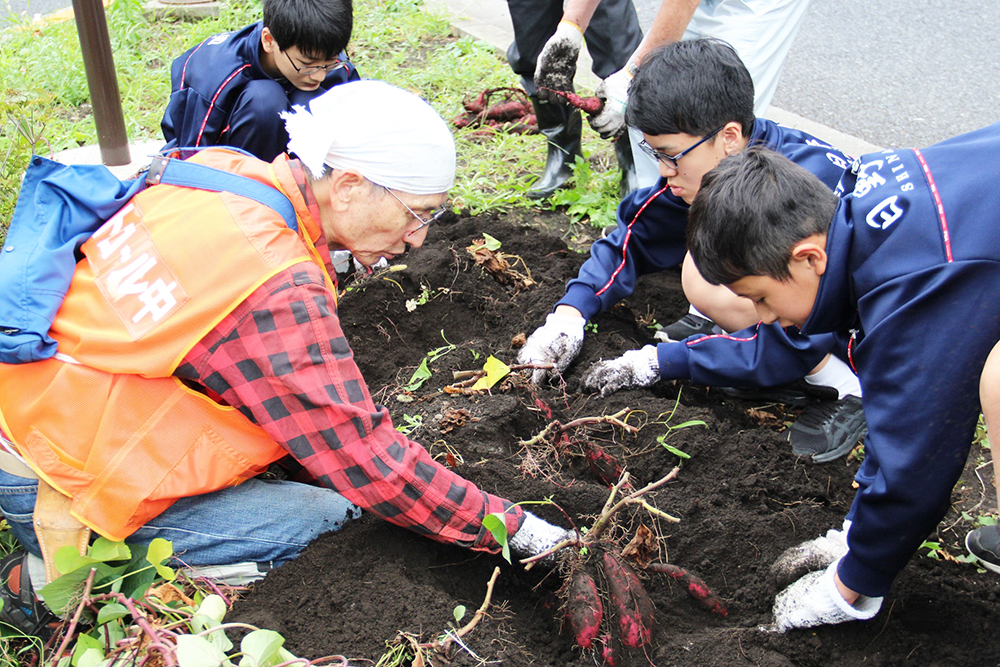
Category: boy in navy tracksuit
<point>229,89</point>
<point>908,262</point>
<point>693,100</point>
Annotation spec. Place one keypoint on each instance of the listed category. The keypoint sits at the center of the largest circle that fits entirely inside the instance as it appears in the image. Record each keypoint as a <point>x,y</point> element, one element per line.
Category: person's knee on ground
<point>984,542</point>
<point>716,302</point>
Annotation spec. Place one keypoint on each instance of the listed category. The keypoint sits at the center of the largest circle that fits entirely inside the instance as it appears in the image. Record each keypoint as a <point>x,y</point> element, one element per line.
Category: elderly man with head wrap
<point>156,429</point>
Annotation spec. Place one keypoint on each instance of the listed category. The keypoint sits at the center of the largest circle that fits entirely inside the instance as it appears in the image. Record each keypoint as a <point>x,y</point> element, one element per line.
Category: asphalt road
<point>893,72</point>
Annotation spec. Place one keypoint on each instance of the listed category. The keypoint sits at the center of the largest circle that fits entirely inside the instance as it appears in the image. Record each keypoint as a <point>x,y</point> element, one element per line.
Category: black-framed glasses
<point>435,215</point>
<point>312,69</point>
<point>672,160</point>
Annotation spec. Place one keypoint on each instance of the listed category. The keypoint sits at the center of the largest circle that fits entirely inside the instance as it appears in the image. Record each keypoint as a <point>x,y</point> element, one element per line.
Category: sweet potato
<point>509,110</point>
<point>477,105</point>
<point>584,610</point>
<point>606,469</point>
<point>590,105</point>
<point>632,605</point>
<point>696,588</point>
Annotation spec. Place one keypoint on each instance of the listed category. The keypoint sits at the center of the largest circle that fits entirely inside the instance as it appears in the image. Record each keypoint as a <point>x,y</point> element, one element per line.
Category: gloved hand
<point>614,91</point>
<point>556,64</point>
<point>812,555</point>
<point>814,600</point>
<point>558,341</point>
<point>535,536</point>
<point>635,368</point>
<point>380,264</point>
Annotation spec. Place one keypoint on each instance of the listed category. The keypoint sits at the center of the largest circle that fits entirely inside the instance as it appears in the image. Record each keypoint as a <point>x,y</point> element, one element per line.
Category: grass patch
<point>44,105</point>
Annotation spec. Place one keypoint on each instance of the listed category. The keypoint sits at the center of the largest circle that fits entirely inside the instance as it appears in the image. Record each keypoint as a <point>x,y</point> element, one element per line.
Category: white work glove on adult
<point>811,555</point>
<point>380,264</point>
<point>556,64</point>
<point>635,368</point>
<point>614,92</point>
<point>814,600</point>
<point>558,341</point>
<point>536,536</point>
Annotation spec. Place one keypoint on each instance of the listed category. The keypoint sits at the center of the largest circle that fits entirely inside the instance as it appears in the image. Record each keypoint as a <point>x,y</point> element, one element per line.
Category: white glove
<point>535,536</point>
<point>812,555</point>
<point>814,600</point>
<point>556,64</point>
<point>635,368</point>
<point>558,341</point>
<point>380,264</point>
<point>614,91</point>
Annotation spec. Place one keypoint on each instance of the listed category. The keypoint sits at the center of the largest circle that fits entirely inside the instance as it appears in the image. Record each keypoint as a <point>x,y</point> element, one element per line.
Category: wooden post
<point>92,26</point>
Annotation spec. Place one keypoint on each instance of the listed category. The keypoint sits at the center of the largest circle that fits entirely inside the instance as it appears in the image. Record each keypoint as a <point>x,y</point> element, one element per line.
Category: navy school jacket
<point>914,270</point>
<point>651,237</point>
<point>207,79</point>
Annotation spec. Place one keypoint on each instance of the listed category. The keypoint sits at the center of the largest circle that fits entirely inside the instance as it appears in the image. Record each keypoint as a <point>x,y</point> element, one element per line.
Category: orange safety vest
<point>104,422</point>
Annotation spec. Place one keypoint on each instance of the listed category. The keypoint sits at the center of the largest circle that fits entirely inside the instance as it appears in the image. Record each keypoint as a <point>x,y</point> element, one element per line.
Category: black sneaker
<point>828,430</point>
<point>689,325</point>
<point>797,394</point>
<point>984,544</point>
<point>21,609</point>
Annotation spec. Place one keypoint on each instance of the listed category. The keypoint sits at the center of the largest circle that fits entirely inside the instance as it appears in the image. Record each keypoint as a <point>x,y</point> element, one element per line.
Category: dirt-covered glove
<point>614,92</point>
<point>556,64</point>
<point>558,341</point>
<point>814,600</point>
<point>380,264</point>
<point>812,555</point>
<point>536,536</point>
<point>635,368</point>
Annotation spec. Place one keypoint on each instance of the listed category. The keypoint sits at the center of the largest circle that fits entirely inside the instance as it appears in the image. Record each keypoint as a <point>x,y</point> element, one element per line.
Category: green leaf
<point>492,244</point>
<point>88,652</point>
<point>676,452</point>
<point>690,422</point>
<point>159,551</point>
<point>459,613</point>
<point>60,593</point>
<point>194,651</point>
<point>105,550</point>
<point>92,657</point>
<point>496,370</point>
<point>68,560</point>
<point>214,607</point>
<point>261,648</point>
<point>419,377</point>
<point>497,526</point>
<point>111,612</point>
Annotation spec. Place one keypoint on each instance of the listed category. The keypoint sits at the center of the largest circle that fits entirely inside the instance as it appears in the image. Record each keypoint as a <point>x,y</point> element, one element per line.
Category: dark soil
<point>742,497</point>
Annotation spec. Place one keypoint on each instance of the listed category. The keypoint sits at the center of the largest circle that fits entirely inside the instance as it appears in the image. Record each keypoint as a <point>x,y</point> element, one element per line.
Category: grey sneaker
<point>689,325</point>
<point>828,430</point>
<point>984,544</point>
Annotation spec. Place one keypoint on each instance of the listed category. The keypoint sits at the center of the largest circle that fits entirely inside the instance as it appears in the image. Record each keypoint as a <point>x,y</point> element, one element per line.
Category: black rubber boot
<point>562,126</point>
<point>630,179</point>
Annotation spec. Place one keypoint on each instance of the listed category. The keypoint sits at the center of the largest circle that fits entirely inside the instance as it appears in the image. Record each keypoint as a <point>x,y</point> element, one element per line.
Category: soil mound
<point>742,497</point>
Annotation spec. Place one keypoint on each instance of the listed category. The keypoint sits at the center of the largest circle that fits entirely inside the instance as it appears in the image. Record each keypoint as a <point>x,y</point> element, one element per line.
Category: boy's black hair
<point>693,87</point>
<point>749,213</point>
<point>319,28</point>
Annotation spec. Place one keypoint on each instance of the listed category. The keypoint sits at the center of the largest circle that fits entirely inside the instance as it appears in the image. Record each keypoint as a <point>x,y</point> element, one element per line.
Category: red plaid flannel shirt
<point>282,360</point>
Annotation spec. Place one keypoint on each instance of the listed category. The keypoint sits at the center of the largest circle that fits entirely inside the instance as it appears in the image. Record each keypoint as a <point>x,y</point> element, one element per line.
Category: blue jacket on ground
<point>914,269</point>
<point>650,237</point>
<point>220,95</point>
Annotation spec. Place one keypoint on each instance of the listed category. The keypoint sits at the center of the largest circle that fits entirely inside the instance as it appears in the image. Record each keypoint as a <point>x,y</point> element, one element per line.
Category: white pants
<point>761,31</point>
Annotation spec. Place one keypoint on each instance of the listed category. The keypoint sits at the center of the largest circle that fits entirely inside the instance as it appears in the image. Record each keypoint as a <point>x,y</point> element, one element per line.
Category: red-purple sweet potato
<point>606,469</point>
<point>584,610</point>
<point>696,588</point>
<point>590,105</point>
<point>632,605</point>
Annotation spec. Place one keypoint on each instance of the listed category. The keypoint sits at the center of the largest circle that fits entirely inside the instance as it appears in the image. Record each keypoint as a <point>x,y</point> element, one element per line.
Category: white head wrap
<point>388,135</point>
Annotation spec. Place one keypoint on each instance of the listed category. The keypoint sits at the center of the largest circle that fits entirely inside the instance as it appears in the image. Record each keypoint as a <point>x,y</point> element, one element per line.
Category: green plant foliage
<point>593,197</point>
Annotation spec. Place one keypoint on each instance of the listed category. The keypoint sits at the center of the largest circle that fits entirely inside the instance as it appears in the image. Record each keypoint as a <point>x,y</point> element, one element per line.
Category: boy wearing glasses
<point>693,102</point>
<point>230,89</point>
